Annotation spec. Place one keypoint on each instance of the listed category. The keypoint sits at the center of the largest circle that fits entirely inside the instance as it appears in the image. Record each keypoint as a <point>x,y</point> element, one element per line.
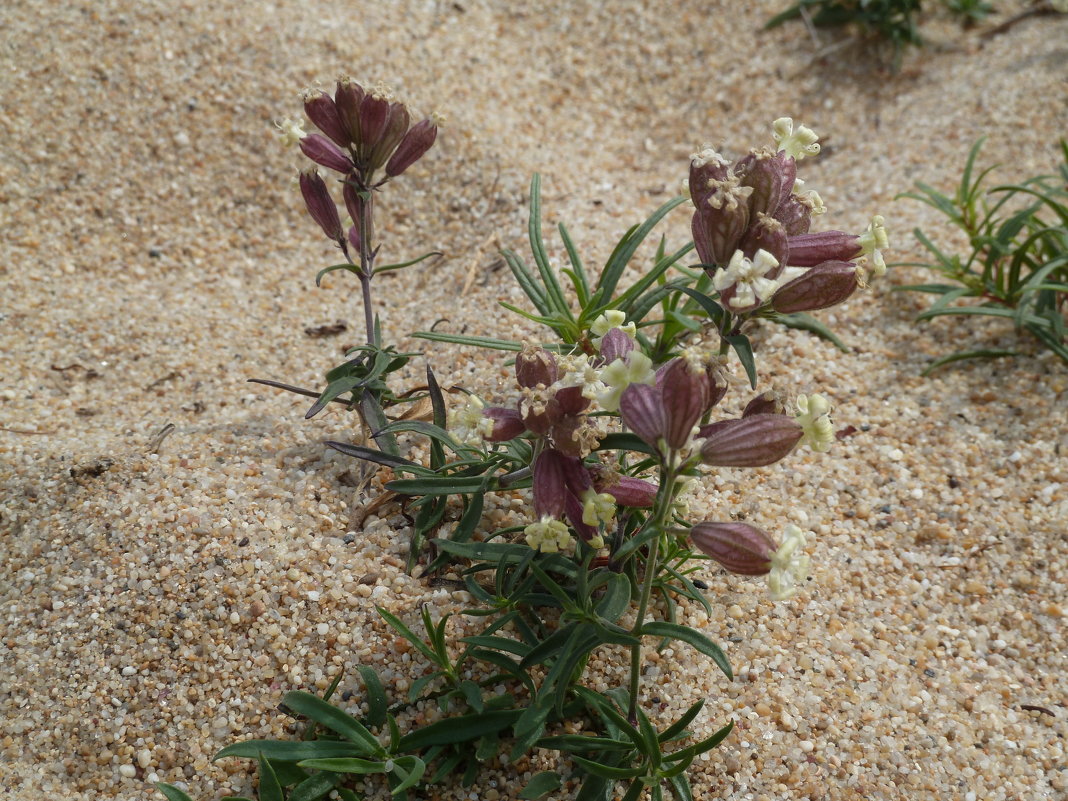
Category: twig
<point>1040,9</point>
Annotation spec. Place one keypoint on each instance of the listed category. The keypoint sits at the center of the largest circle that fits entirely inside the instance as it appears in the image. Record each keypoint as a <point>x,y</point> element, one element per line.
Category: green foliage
<point>893,21</point>
<point>1018,265</point>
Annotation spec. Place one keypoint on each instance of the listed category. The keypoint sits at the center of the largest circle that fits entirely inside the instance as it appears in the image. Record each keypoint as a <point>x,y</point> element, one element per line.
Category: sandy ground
<point>155,255</point>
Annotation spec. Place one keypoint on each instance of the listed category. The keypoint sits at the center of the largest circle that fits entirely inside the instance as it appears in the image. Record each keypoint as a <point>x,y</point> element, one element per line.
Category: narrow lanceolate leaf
<point>744,349</point>
<point>314,787</point>
<point>459,729</point>
<point>478,342</point>
<point>624,251</point>
<point>806,322</point>
<point>607,771</point>
<point>342,765</point>
<point>270,789</point>
<point>545,782</point>
<point>376,696</point>
<point>371,455</point>
<point>290,751</point>
<point>331,717</point>
<point>398,625</point>
<point>385,268</point>
<point>691,637</point>
<point>554,294</point>
<point>410,770</point>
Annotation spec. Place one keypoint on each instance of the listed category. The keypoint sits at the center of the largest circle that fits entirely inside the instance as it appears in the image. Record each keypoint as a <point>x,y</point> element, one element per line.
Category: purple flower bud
<point>795,215</point>
<point>754,441</point>
<point>412,147</point>
<point>739,547</point>
<point>767,173</point>
<point>627,490</point>
<point>767,234</point>
<point>808,250</point>
<point>535,366</point>
<point>320,205</point>
<point>706,167</point>
<point>685,393</point>
<point>642,410</point>
<point>322,151</point>
<point>824,285</point>
<point>615,345</point>
<point>507,423</point>
<point>717,230</point>
<point>765,403</point>
<point>323,113</point>
<point>374,115</point>
<point>550,487</point>
<point>348,98</point>
<point>396,128</point>
<point>571,400</point>
<point>354,237</point>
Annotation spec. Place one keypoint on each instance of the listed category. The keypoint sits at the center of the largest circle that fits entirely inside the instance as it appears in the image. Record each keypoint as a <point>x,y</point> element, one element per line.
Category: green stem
<point>667,486</point>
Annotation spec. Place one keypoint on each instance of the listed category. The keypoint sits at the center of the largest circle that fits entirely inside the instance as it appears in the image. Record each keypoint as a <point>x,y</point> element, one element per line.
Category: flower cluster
<point>363,131</point>
<point>751,230</point>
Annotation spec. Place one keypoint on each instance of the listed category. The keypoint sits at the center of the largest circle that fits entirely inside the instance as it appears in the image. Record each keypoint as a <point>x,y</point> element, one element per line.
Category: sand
<point>158,597</point>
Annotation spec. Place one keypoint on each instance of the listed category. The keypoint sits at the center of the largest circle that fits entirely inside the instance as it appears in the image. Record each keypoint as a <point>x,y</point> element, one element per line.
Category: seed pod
<point>507,423</point>
<point>348,98</point>
<point>769,174</point>
<point>550,488</point>
<point>824,285</point>
<point>535,366</point>
<point>642,410</point>
<point>322,151</point>
<point>765,403</point>
<point>794,214</point>
<point>627,490</point>
<point>396,128</point>
<point>717,230</point>
<point>374,115</point>
<point>754,441</point>
<point>739,547</point>
<point>685,392</point>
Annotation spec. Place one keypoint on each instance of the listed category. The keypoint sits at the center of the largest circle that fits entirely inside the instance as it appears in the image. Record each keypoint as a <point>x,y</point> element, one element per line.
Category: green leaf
<point>554,293</point>
<point>373,455</point>
<point>527,282</point>
<point>583,743</point>
<point>401,265</point>
<point>680,788</point>
<point>270,789</point>
<point>621,256</point>
<point>704,745</point>
<point>541,783</point>
<point>459,729</point>
<point>376,418</point>
<point>343,765</point>
<point>172,793</point>
<point>478,342</point>
<point>446,485</point>
<point>679,726</point>
<point>287,751</point>
<point>577,271</point>
<point>712,309</point>
<point>806,322</point>
<point>616,598</point>
<point>625,442</point>
<point>691,637</point>
<point>376,696</point>
<point>744,349</point>
<point>331,717</point>
<point>398,625</point>
<point>505,644</point>
<point>349,267</point>
<point>333,390</point>
<point>314,787</point>
<point>489,551</point>
<point>606,771</point>
<point>986,353</point>
<point>410,770</point>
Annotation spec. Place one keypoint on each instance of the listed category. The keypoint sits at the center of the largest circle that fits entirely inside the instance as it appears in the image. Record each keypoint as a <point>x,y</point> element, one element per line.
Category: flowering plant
<point>609,426</point>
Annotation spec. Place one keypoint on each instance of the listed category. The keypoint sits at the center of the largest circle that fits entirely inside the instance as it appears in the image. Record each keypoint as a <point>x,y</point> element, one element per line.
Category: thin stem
<point>367,261</point>
<point>667,485</point>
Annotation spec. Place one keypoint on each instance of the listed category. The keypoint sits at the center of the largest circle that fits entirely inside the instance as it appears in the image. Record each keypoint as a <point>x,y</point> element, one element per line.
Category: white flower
<point>578,372</point>
<point>438,118</point>
<point>813,414</point>
<point>800,143</point>
<point>707,155</point>
<point>612,318</point>
<point>872,242</point>
<point>597,507</point>
<point>468,425</point>
<point>292,132</point>
<point>548,535</point>
<point>747,276</point>
<point>620,374</point>
<point>684,487</point>
<point>789,566</point>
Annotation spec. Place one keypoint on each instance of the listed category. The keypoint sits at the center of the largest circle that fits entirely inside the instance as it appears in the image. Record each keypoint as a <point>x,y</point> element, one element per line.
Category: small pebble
<point>322,629</point>
<point>129,670</point>
<point>129,771</point>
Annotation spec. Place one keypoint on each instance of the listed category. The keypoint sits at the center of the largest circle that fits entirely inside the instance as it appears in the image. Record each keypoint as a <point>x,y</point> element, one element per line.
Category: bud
<point>771,175</point>
<point>765,403</point>
<point>769,235</point>
<point>320,205</point>
<point>642,410</point>
<point>705,167</point>
<point>824,285</point>
<point>323,113</point>
<point>374,116</point>
<point>412,147</point>
<point>627,490</point>
<point>550,487</point>
<point>322,151</point>
<point>754,441</point>
<point>507,423</point>
<point>808,250</point>
<point>396,127</point>
<point>535,366</point>
<point>719,222</point>
<point>795,214</point>
<point>739,547</point>
<point>615,344</point>
<point>685,392</point>
<point>572,401</point>
<point>348,98</point>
